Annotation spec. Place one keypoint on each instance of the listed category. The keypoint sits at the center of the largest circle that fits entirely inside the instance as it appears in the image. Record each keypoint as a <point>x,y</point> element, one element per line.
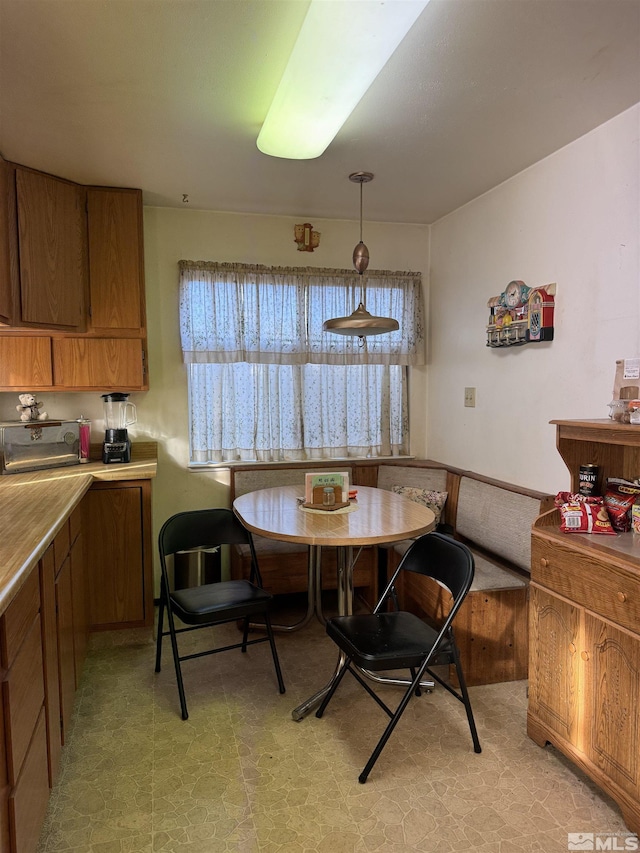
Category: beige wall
<point>572,219</point>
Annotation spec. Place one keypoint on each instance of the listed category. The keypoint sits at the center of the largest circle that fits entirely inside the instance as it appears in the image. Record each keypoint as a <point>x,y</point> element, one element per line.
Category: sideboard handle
<point>622,597</point>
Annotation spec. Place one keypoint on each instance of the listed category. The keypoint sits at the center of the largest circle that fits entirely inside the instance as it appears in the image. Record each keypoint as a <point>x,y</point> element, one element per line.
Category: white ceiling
<point>169,96</point>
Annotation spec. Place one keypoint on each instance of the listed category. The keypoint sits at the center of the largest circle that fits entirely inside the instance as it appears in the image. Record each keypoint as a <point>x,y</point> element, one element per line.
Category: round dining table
<point>376,517</point>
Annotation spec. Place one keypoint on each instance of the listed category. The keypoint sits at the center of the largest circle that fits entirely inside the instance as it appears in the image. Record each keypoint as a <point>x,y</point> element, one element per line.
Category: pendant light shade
<point>361,323</point>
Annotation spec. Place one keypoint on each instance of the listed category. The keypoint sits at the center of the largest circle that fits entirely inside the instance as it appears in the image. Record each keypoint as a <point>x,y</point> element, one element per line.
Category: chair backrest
<point>203,528</point>
<point>442,558</point>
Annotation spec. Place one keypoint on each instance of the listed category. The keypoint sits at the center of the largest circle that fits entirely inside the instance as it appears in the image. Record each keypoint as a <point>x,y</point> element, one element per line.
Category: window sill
<point>200,467</point>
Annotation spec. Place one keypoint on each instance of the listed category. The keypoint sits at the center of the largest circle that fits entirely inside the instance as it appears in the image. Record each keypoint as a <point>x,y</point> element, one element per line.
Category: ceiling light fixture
<point>360,323</point>
<point>341,49</point>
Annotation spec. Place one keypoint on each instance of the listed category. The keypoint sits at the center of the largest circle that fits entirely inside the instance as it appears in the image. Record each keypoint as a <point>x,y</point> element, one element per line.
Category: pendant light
<point>361,322</point>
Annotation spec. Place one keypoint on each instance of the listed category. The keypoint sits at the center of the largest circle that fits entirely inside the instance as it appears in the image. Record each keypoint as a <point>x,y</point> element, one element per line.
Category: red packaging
<point>618,499</point>
<point>582,514</point>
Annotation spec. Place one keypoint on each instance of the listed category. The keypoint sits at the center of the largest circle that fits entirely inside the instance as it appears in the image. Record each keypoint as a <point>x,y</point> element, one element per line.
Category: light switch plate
<point>470,397</point>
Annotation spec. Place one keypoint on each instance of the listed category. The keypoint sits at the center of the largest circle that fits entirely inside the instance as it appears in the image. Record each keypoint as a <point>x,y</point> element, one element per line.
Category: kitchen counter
<point>34,506</point>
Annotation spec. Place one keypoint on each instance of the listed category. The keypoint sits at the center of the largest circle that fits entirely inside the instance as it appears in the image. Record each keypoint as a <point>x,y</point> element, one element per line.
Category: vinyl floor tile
<point>241,776</point>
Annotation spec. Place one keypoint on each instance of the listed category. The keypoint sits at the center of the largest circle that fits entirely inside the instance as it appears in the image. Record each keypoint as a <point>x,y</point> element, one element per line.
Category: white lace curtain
<point>274,315</point>
<point>267,384</point>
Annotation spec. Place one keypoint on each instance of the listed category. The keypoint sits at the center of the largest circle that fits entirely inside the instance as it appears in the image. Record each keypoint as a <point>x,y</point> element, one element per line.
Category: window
<point>267,384</point>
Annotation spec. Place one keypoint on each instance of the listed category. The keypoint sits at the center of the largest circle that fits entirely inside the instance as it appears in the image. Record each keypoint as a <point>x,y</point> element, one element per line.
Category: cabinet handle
<point>622,597</point>
<point>584,655</point>
<point>544,562</point>
<point>572,648</point>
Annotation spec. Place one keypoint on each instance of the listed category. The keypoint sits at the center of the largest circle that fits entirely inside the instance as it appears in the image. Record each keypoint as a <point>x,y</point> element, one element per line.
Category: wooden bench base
<point>491,627</point>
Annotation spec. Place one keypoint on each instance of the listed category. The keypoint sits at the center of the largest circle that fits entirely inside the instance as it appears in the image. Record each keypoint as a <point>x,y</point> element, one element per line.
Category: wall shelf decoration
<point>306,238</point>
<point>521,315</point>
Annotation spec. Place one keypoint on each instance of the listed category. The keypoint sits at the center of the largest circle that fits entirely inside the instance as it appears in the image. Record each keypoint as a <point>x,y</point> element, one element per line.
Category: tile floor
<point>241,775</point>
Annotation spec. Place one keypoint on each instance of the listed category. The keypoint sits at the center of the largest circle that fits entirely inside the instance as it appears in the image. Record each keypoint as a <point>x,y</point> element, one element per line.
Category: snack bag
<point>619,497</point>
<point>582,514</point>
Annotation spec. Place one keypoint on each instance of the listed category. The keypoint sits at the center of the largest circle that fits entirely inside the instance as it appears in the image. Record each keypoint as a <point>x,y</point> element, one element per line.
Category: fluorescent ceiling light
<point>342,47</point>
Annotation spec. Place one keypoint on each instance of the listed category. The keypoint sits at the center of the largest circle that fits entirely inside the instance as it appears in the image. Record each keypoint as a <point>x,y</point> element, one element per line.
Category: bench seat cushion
<point>488,575</point>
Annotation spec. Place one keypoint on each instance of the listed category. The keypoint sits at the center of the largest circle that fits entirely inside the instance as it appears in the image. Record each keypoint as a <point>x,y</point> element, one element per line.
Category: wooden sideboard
<point>584,664</point>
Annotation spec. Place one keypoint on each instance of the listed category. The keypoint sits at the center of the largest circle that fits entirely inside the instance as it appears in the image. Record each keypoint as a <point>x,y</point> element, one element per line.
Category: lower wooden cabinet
<point>25,770</point>
<point>118,553</point>
<point>97,573</point>
<point>29,798</point>
<point>49,624</point>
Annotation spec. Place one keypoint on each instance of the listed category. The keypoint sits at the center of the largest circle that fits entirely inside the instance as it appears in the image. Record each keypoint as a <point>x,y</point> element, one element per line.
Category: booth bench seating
<point>492,517</point>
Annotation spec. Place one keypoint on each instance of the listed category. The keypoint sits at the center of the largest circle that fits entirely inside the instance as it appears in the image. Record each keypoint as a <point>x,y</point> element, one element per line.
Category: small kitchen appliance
<point>34,445</point>
<point>118,415</point>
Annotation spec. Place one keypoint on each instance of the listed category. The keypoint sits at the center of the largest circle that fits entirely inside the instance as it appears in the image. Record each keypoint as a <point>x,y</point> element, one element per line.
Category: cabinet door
<point>25,363</point>
<point>99,363</point>
<point>80,606</point>
<point>554,663</point>
<point>6,207</point>
<point>612,696</point>
<point>115,553</point>
<point>50,656</point>
<point>29,798</point>
<point>52,228</point>
<point>116,275</point>
<point>66,653</point>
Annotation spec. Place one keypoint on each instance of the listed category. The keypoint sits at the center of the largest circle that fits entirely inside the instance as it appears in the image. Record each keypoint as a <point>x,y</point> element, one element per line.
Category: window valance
<point>274,315</point>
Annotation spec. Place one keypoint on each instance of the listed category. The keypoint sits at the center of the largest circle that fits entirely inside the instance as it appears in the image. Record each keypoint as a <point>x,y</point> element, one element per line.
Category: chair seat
<point>384,640</point>
<point>231,599</point>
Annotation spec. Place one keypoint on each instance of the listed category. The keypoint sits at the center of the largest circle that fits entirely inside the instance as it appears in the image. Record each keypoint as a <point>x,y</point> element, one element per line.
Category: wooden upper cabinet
<point>52,256</point>
<point>116,273</point>
<point>25,362</point>
<point>6,304</point>
<point>104,363</point>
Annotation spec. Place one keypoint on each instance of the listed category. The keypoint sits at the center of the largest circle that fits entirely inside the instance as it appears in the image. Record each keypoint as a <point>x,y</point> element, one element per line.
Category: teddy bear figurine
<point>29,409</point>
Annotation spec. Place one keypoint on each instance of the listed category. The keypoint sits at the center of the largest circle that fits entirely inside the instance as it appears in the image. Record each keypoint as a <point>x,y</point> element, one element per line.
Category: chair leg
<point>465,699</point>
<point>245,635</point>
<point>274,652</point>
<point>362,778</point>
<point>334,686</point>
<point>159,636</point>
<point>176,661</point>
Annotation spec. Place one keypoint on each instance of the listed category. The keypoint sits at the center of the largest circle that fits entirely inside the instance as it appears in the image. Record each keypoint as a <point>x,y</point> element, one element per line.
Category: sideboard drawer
<point>580,576</point>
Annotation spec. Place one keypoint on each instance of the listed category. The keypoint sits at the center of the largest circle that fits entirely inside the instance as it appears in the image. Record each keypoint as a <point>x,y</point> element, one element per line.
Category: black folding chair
<point>212,603</point>
<point>387,641</point>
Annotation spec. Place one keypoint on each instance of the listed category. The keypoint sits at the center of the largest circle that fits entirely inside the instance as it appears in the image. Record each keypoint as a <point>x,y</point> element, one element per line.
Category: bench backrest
<point>498,517</point>
<point>253,478</point>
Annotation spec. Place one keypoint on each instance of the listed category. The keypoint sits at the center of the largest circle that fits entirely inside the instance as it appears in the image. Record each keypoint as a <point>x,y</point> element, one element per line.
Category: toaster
<point>34,445</point>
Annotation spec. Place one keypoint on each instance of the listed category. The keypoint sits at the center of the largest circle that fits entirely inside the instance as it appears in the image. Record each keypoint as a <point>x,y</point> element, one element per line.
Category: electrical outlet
<point>470,397</point>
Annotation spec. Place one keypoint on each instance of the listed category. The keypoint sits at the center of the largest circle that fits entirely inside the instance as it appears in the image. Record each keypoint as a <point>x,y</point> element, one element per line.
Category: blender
<point>118,415</point>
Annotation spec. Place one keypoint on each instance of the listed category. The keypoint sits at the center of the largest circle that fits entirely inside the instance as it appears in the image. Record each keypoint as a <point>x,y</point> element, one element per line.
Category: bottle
<point>328,496</point>
<point>85,438</point>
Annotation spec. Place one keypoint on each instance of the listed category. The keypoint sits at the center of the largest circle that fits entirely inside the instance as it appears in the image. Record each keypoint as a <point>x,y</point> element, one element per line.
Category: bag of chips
<point>581,514</point>
<point>619,497</point>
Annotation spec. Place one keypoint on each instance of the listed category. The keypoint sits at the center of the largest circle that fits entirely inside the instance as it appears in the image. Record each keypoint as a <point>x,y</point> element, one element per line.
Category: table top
<point>381,516</point>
